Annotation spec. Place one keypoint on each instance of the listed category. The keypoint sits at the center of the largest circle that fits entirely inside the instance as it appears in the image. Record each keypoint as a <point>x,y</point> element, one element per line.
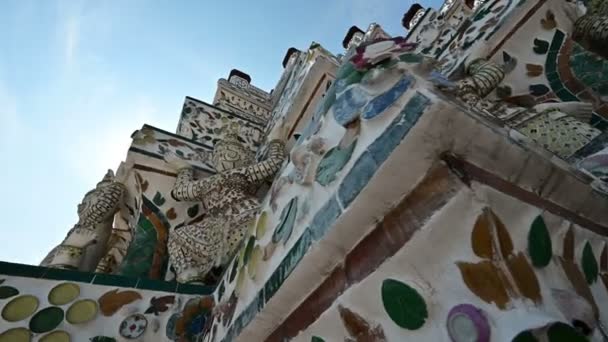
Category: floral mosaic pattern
<point>572,73</point>
<point>133,326</point>
<point>147,252</point>
<point>156,143</point>
<point>206,124</point>
<point>474,34</point>
<point>488,278</point>
<point>244,99</point>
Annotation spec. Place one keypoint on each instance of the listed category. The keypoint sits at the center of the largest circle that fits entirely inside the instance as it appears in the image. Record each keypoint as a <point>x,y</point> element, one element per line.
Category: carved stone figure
<point>118,243</point>
<point>591,29</point>
<point>484,77</point>
<point>305,159</point>
<point>229,199</point>
<point>85,242</point>
<point>558,127</point>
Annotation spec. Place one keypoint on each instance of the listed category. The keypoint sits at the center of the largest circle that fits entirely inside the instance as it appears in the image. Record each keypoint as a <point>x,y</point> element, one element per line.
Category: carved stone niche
<point>412,16</point>
<point>239,78</point>
<point>353,37</point>
<point>290,52</point>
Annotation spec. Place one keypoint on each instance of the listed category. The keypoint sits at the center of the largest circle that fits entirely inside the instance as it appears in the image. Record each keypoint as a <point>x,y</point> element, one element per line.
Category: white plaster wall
<point>427,263</point>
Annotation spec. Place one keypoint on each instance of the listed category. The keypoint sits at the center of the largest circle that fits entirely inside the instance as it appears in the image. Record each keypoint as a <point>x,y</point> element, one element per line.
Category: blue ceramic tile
<point>348,106</point>
<point>379,104</point>
<point>396,131</point>
<point>343,83</point>
<point>261,299</point>
<point>286,222</point>
<point>246,316</point>
<point>333,162</point>
<point>356,179</point>
<point>288,264</point>
<point>324,218</point>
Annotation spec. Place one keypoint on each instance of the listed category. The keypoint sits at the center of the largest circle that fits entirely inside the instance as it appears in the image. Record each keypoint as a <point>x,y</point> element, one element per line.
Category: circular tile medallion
<point>56,336</point>
<point>81,311</point>
<point>133,326</point>
<point>64,293</point>
<point>20,308</point>
<point>46,320</point>
<point>16,335</point>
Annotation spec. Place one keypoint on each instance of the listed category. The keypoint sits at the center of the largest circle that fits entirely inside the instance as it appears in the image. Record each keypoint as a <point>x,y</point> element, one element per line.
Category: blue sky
<point>78,77</point>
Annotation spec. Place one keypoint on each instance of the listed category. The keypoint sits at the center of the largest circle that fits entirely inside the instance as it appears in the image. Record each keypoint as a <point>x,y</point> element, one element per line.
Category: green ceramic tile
<point>565,95</point>
<point>194,289</point>
<point>598,122</point>
<point>156,285</point>
<point>556,86</point>
<point>20,270</point>
<point>551,64</point>
<point>59,274</point>
<point>590,79</point>
<point>558,39</point>
<point>553,77</point>
<point>114,280</point>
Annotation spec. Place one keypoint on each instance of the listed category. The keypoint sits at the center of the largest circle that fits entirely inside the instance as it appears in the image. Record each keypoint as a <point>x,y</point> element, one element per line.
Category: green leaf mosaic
<point>403,304</point>
<point>589,263</point>
<point>539,243</point>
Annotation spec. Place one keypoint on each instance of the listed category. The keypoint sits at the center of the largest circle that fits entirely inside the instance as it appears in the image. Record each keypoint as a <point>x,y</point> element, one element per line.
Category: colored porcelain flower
<point>468,323</point>
<point>133,326</point>
<point>368,55</point>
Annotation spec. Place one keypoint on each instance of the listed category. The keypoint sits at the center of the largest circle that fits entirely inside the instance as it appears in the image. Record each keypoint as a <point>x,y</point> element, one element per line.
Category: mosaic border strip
<point>257,123</point>
<point>40,272</point>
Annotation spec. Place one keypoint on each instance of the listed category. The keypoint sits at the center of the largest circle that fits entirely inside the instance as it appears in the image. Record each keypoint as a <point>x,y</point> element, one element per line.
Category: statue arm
<point>104,206</point>
<point>188,189</point>
<point>580,110</point>
<point>270,165</point>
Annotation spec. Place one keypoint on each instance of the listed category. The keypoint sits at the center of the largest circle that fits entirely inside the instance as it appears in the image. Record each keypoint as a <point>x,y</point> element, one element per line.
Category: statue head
<point>89,196</point>
<point>86,202</point>
<point>230,152</point>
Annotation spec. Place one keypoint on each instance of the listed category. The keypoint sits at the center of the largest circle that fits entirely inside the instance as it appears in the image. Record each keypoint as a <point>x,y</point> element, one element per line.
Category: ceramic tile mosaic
<point>384,223</point>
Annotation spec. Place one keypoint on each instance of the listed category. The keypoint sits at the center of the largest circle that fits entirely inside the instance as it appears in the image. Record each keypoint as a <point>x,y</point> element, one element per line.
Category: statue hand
<point>175,161</point>
<point>574,10</point>
<point>579,110</point>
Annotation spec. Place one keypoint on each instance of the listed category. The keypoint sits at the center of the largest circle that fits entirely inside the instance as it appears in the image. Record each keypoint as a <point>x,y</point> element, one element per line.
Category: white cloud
<point>72,35</point>
<point>70,16</point>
